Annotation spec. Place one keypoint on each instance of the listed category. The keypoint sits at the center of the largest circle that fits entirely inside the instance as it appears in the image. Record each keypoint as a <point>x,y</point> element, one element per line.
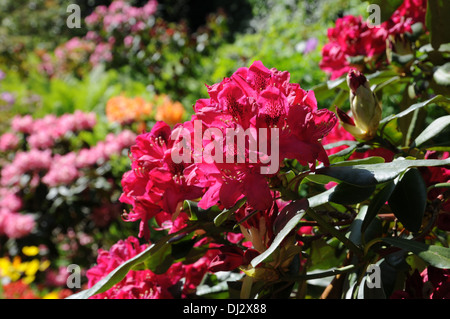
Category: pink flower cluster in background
<point>121,16</point>
<point>59,169</point>
<point>354,38</point>
<point>43,133</point>
<point>8,142</point>
<point>39,161</point>
<point>13,224</point>
<point>118,18</point>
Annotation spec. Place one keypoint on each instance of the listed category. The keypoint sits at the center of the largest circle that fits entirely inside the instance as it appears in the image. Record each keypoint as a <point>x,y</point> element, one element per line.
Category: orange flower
<point>169,111</point>
<point>124,110</point>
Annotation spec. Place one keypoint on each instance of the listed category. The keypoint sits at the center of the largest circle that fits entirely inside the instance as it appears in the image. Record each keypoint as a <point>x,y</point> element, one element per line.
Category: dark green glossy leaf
<point>376,203</point>
<point>435,134</point>
<point>323,256</point>
<point>347,194</point>
<point>372,231</point>
<point>436,256</point>
<point>372,174</point>
<point>409,199</point>
<point>437,18</point>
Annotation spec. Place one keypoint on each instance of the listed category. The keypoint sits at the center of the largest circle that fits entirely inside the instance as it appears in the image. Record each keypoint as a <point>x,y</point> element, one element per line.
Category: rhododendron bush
<point>267,187</point>
<point>267,192</point>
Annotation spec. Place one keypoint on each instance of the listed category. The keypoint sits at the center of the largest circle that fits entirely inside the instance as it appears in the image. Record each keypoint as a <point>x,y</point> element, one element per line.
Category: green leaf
<point>442,74</point>
<point>226,213</point>
<point>409,199</point>
<point>348,194</point>
<point>372,174</point>
<point>436,20</point>
<point>435,134</point>
<point>367,160</point>
<point>435,99</point>
<point>286,221</point>
<point>320,199</point>
<point>161,260</point>
<point>356,233</point>
<point>436,256</point>
<point>376,203</point>
<point>322,256</point>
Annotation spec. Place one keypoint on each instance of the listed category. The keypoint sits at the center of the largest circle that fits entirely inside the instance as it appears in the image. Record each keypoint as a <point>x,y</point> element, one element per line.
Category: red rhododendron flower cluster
<point>431,283</point>
<point>257,102</point>
<point>435,175</point>
<point>352,38</point>
<point>144,284</point>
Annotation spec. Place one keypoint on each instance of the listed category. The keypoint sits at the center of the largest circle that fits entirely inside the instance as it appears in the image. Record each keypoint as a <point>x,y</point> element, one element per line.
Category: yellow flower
<point>30,251</point>
<point>16,269</point>
<point>51,295</point>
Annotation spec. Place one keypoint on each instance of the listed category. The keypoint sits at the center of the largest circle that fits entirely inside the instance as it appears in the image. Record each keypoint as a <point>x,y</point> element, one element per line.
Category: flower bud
<point>365,107</point>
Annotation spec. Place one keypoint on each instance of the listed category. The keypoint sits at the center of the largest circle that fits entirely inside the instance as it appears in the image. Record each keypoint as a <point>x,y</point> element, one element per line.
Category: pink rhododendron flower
<point>15,225</point>
<point>9,199</point>
<point>22,123</point>
<point>8,141</point>
<point>44,132</point>
<point>32,161</point>
<point>62,171</point>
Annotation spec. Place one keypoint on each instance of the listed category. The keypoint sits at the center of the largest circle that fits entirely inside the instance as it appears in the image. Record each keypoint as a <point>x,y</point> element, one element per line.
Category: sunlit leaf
<point>372,174</point>
<point>436,256</point>
<point>435,134</point>
<point>287,220</point>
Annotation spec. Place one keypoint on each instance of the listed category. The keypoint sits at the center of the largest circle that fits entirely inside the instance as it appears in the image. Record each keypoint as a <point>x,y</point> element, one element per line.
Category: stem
<point>336,233</point>
<point>328,273</point>
<point>386,143</point>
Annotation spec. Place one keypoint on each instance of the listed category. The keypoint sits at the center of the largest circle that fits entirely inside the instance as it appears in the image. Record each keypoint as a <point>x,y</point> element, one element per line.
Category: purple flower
<point>8,97</point>
<point>311,45</point>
